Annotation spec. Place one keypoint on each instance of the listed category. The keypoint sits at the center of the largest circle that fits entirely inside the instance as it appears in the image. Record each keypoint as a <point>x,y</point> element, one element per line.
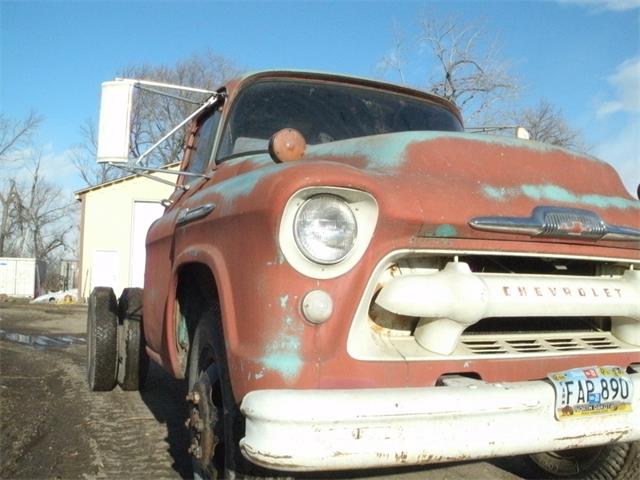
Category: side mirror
<point>115,121</point>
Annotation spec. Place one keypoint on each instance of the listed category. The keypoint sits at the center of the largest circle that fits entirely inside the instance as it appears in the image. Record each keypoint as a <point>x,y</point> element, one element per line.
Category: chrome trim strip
<point>191,214</point>
<point>558,222</point>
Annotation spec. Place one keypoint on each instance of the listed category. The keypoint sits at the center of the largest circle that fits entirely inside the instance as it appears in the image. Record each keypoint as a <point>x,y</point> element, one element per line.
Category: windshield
<point>324,112</point>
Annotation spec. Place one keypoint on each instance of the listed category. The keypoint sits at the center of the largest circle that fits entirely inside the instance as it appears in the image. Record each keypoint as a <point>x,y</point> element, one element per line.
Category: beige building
<point>115,217</point>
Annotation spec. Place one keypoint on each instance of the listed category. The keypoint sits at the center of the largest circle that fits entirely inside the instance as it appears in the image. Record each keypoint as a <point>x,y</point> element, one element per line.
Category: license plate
<point>584,392</point>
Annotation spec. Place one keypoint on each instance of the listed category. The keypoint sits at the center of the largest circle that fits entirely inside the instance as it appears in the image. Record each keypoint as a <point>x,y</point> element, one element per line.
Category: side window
<point>205,137</point>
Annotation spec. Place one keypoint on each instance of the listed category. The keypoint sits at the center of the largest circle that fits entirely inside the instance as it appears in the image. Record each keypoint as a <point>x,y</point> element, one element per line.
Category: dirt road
<point>52,426</point>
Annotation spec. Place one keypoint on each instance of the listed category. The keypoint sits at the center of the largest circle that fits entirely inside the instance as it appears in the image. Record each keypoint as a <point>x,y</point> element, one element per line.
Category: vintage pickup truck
<point>348,280</point>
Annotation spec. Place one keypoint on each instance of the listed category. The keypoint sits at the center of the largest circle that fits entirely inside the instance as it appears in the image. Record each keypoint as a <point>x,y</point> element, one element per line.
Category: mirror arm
<point>143,173</point>
<point>169,95</point>
<point>173,172</point>
<point>210,101</point>
<point>170,86</point>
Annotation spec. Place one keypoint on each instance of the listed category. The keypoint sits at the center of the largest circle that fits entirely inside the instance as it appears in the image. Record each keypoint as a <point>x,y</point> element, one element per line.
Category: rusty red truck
<point>348,280</point>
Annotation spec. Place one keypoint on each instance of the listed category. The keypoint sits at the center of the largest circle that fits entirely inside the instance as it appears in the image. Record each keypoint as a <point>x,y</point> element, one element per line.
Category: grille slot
<point>535,344</point>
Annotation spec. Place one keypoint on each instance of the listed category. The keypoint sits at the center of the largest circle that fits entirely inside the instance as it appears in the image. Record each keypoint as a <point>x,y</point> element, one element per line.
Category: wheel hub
<point>203,417</point>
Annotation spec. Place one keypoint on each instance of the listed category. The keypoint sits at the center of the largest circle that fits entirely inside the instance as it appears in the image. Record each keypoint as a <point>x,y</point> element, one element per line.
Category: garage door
<point>144,214</point>
<point>104,269</point>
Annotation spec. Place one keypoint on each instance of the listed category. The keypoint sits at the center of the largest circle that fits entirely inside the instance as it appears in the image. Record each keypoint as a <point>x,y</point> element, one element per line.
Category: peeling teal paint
<point>549,192</point>
<point>288,364</point>
<point>389,150</point>
<point>381,151</point>
<point>497,193</point>
<point>283,356</point>
<point>286,342</point>
<point>556,193</point>
<point>284,300</point>
<point>243,184</point>
<point>446,231</point>
<point>259,161</point>
<point>608,202</point>
<point>183,334</point>
<point>283,353</point>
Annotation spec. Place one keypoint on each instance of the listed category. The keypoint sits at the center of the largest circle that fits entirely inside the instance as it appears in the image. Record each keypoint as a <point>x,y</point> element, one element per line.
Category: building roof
<point>79,193</point>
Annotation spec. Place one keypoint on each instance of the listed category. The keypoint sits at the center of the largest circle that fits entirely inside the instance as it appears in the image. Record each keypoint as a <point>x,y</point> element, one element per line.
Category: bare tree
<point>9,216</point>
<point>34,218</point>
<point>84,159</point>
<point>395,59</point>
<point>16,134</point>
<point>42,216</point>
<point>547,124</point>
<point>154,115</point>
<point>465,66</point>
<point>470,70</point>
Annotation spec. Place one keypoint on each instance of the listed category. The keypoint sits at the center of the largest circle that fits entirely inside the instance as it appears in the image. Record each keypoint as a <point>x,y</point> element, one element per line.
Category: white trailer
<point>18,277</point>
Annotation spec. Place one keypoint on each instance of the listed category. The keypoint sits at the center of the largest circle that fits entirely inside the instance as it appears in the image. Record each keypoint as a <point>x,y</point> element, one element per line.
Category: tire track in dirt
<point>42,437</point>
<point>134,434</point>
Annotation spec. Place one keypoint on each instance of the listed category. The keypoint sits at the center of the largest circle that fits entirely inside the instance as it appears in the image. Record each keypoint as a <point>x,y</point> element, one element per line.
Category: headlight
<point>325,229</point>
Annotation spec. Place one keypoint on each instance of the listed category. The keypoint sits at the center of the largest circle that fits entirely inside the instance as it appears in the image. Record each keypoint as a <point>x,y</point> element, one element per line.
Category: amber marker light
<point>287,145</point>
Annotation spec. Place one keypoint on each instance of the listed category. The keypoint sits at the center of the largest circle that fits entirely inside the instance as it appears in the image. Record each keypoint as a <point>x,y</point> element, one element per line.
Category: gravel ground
<point>52,426</point>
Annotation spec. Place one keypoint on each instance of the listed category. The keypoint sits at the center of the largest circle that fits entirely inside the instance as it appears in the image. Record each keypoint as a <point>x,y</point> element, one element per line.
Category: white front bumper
<point>312,430</point>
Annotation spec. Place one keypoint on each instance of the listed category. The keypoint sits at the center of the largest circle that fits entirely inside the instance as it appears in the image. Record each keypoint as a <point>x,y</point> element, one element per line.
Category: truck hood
<point>445,180</point>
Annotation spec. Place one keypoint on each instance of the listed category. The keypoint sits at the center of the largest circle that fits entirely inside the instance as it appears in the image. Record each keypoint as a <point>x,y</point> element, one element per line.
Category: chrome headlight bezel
<point>325,229</point>
<point>361,205</point>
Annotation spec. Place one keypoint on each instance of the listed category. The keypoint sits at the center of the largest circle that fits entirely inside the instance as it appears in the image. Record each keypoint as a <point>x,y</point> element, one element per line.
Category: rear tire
<point>133,362</point>
<point>102,340</point>
<point>620,461</point>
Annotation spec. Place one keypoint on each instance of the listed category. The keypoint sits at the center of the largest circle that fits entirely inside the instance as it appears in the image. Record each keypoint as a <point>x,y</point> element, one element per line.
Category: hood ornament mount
<point>558,222</point>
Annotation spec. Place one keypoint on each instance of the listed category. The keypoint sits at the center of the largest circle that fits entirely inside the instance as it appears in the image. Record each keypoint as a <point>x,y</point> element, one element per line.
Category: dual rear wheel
<point>115,340</point>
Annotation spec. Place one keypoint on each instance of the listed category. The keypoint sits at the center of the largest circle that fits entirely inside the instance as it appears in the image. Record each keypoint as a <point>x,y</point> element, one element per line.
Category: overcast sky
<point>581,55</point>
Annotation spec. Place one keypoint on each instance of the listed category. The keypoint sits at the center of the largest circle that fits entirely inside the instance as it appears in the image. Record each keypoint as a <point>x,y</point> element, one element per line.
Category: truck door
<point>158,297</point>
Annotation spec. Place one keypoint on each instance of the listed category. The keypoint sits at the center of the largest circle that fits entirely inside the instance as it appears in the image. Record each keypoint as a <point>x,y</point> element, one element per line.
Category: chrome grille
<point>381,334</point>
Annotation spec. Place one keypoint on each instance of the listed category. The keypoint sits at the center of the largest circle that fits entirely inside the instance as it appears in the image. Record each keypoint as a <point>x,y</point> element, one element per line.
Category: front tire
<point>102,340</point>
<point>206,410</point>
<point>620,461</point>
<point>215,422</point>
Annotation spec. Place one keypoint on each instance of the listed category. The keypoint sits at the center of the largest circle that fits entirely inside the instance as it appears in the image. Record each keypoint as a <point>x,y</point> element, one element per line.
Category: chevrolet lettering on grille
<point>523,291</point>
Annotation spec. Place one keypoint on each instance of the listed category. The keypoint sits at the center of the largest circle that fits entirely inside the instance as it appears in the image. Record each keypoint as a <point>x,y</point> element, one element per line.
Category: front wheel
<point>205,414</point>
<point>215,422</point>
<point>620,461</point>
